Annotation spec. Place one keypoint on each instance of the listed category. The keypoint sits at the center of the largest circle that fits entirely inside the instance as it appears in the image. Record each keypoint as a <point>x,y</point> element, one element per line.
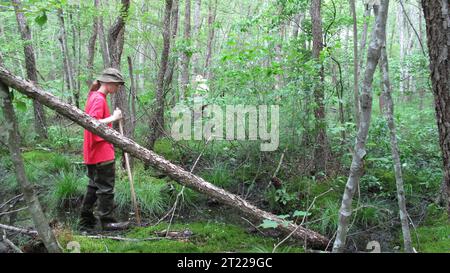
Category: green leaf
<point>269,224</point>
<point>299,213</point>
<point>22,106</point>
<point>41,19</point>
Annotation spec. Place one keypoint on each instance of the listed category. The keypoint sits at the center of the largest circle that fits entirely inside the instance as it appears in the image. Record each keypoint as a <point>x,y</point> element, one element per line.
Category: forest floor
<point>200,224</point>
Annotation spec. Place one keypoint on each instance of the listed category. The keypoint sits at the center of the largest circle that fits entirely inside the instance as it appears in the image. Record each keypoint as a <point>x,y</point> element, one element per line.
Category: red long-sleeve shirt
<point>95,148</point>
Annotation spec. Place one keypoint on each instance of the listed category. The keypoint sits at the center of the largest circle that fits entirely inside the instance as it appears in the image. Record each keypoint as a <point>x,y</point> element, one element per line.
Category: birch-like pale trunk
<point>359,152</point>
<point>362,45</point>
<point>389,115</point>
<point>34,207</point>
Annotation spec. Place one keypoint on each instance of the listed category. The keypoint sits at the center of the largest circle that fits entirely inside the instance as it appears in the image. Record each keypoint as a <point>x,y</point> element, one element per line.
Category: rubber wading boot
<point>105,213</point>
<point>88,219</point>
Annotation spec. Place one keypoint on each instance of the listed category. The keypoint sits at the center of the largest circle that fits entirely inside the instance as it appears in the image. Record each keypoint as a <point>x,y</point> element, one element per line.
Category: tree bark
<point>91,46</point>
<point>115,46</point>
<point>437,20</point>
<point>197,18</point>
<point>175,172</point>
<point>185,57</point>
<point>321,145</point>
<point>103,43</point>
<point>403,47</point>
<point>212,13</point>
<point>355,61</point>
<point>174,18</point>
<point>68,65</point>
<point>40,121</point>
<point>389,115</point>
<point>297,23</point>
<point>362,45</point>
<point>34,207</point>
<point>157,122</point>
<point>133,94</point>
<point>359,152</point>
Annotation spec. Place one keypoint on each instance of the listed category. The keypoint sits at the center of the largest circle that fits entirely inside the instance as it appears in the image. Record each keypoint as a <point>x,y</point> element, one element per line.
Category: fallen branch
<point>134,240</point>
<point>10,200</point>
<point>12,211</point>
<point>173,171</point>
<point>28,232</point>
<point>10,244</point>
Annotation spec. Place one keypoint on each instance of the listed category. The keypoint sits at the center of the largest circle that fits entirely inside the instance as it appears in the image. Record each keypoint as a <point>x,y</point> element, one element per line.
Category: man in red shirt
<point>99,155</point>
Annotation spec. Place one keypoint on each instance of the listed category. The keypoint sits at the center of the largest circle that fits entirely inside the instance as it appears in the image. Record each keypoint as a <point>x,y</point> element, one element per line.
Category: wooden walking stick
<point>130,177</point>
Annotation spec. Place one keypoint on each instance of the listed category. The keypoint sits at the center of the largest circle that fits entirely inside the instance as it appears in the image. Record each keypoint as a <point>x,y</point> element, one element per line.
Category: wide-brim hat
<point>111,75</point>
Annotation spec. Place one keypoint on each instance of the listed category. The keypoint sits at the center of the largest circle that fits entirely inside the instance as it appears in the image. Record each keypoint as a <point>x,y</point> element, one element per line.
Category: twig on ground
<point>13,211</point>
<point>118,238</point>
<point>29,232</point>
<point>10,244</point>
<point>10,200</point>
<point>253,226</point>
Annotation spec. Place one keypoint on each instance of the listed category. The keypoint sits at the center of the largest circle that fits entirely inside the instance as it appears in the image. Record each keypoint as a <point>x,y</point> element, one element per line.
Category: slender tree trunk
<point>103,43</point>
<point>174,18</point>
<point>40,121</point>
<point>437,20</point>
<point>91,46</point>
<point>212,13</point>
<point>297,24</point>
<point>362,45</point>
<point>278,52</point>
<point>115,46</point>
<point>197,20</point>
<point>133,93</point>
<point>321,145</point>
<point>34,207</point>
<point>75,64</point>
<point>140,85</point>
<point>68,67</point>
<point>340,94</point>
<point>157,123</point>
<point>355,62</point>
<point>359,152</point>
<point>185,58</point>
<point>389,114</point>
<point>403,45</point>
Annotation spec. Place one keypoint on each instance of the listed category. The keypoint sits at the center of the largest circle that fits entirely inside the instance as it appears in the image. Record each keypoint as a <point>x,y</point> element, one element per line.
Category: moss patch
<point>207,237</point>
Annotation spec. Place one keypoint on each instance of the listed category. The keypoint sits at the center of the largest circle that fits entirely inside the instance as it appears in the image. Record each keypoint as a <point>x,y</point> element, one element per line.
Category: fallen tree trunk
<point>173,171</point>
